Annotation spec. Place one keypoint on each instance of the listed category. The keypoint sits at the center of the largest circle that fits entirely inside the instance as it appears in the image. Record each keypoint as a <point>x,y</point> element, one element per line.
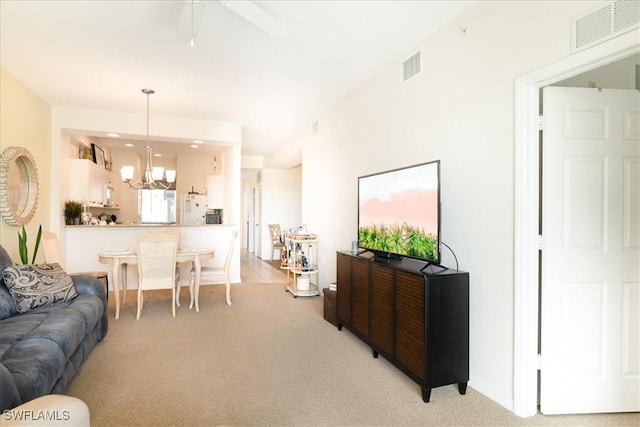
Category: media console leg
<point>375,354</point>
<point>462,388</point>
<point>426,394</point>
<point>339,326</point>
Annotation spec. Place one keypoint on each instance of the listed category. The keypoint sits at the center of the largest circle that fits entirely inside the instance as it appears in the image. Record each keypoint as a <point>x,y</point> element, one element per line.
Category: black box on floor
<point>330,314</point>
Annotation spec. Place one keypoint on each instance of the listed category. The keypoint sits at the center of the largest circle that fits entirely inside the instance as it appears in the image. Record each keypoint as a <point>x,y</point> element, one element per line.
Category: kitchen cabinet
<point>87,182</point>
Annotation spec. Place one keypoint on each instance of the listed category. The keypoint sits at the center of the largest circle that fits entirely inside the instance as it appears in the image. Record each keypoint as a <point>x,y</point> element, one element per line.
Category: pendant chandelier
<point>153,177</point>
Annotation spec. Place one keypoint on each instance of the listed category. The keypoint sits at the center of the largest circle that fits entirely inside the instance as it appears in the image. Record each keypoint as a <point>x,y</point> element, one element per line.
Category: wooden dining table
<point>120,258</point>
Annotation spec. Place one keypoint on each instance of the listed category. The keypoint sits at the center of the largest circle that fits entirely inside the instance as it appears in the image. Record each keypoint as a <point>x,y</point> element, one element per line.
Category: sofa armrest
<point>89,285</point>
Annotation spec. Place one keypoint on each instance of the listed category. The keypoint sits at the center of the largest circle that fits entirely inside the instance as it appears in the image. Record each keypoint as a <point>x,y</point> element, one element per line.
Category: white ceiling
<point>100,54</point>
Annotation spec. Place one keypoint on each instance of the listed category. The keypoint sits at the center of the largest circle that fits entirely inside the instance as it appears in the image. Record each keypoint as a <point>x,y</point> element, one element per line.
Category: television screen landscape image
<point>399,212</point>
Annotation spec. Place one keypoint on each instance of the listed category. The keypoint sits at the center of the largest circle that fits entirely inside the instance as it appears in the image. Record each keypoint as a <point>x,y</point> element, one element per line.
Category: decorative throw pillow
<point>37,285</point>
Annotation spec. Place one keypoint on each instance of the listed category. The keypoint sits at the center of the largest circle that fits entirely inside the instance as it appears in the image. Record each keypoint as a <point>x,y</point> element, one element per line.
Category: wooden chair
<point>169,230</point>
<point>276,243</point>
<point>124,266</point>
<point>157,265</point>
<point>53,254</point>
<point>217,274</point>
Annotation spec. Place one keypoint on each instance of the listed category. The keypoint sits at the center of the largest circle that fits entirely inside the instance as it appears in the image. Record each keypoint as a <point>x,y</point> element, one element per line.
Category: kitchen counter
<point>83,243</point>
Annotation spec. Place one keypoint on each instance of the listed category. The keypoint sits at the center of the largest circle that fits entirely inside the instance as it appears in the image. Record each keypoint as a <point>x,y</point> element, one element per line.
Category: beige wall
<point>193,171</point>
<point>281,199</point>
<point>459,109</point>
<point>25,121</point>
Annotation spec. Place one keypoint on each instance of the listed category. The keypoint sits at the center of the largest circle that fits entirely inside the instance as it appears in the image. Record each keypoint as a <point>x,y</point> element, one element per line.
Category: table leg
<point>192,285</point>
<point>115,279</point>
<point>123,275</point>
<point>196,284</point>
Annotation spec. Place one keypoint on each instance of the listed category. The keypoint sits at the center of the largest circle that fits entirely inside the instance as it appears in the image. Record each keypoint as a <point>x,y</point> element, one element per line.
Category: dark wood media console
<point>418,321</point>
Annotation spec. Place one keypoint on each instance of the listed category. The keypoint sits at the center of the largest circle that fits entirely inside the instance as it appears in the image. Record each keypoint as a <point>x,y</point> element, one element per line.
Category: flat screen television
<point>399,212</point>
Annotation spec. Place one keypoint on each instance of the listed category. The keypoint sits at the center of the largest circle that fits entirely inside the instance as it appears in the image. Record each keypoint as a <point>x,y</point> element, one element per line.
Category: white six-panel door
<point>590,343</point>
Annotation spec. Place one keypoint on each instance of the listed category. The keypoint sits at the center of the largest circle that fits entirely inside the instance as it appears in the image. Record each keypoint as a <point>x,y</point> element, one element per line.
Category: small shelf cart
<point>302,265</point>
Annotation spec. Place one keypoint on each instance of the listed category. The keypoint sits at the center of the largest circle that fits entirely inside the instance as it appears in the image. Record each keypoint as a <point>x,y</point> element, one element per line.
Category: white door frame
<point>252,220</point>
<point>527,159</point>
<point>258,229</point>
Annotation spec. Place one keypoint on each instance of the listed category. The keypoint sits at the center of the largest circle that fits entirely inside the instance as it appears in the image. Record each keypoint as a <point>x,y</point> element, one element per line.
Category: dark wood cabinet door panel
<point>343,295</point>
<point>382,308</point>
<point>360,297</point>
<point>410,322</point>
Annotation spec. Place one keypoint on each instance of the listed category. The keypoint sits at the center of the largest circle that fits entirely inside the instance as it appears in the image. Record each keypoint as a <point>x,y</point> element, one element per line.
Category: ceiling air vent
<point>411,67</point>
<point>604,23</point>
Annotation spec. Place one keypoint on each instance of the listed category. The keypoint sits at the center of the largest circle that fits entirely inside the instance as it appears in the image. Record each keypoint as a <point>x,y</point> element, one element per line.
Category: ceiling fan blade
<point>190,21</point>
<point>258,17</point>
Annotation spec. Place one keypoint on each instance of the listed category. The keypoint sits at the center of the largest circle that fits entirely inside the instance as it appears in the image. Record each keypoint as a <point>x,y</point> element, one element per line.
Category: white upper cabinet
<point>87,182</point>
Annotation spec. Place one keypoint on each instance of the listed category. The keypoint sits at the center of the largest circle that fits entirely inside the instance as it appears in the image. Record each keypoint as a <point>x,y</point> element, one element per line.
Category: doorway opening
<point>527,161</point>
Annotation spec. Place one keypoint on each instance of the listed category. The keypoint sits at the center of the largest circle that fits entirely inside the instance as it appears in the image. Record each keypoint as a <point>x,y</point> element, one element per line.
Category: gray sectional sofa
<point>42,348</point>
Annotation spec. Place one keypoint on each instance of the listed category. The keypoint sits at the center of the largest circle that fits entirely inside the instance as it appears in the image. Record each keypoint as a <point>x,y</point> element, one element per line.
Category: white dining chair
<point>182,266</point>
<point>169,230</point>
<point>215,275</point>
<point>157,265</point>
<point>123,280</point>
<point>53,254</point>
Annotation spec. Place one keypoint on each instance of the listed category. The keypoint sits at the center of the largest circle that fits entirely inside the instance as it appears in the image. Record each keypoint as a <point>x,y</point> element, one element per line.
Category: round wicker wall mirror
<point>18,186</point>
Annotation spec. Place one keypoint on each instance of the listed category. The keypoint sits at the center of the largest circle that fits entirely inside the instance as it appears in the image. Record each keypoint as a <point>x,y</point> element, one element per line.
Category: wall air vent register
<point>411,67</point>
<point>604,23</point>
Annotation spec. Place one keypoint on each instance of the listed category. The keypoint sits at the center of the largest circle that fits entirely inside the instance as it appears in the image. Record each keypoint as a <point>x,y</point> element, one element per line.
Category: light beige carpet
<point>267,360</point>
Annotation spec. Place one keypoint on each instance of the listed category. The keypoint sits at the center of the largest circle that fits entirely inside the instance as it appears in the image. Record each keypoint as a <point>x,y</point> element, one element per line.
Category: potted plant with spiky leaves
<point>23,247</point>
